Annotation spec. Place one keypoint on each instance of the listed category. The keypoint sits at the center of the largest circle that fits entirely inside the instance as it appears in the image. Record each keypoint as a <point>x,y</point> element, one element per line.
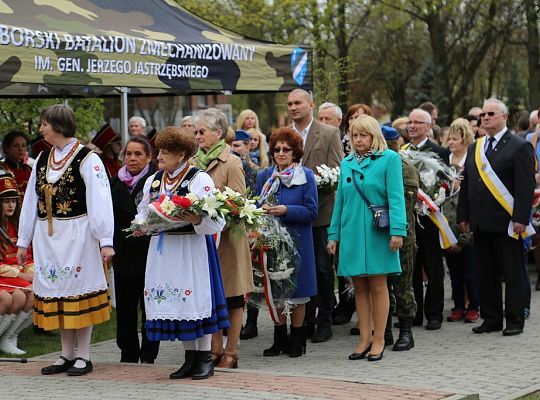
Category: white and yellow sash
<point>446,236</point>
<point>497,188</point>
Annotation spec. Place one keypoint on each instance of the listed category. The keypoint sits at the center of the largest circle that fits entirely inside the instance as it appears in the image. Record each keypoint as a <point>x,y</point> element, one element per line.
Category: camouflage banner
<point>89,47</point>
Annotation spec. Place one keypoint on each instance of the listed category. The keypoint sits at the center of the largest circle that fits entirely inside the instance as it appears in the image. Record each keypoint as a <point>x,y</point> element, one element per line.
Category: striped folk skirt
<point>72,312</point>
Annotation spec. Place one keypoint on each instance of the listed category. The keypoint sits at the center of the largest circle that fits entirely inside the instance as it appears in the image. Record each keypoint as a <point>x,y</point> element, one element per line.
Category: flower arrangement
<point>275,262</point>
<point>437,180</point>
<point>240,214</point>
<point>327,178</point>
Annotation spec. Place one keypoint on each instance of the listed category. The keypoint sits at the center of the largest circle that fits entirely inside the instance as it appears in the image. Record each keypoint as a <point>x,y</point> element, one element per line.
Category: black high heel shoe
<point>375,357</point>
<point>360,356</point>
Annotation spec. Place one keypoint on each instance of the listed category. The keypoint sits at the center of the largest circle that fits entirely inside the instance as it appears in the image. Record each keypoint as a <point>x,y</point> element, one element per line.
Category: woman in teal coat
<point>368,254</point>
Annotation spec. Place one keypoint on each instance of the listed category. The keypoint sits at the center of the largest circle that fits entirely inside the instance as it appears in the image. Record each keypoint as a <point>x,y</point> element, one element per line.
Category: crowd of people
<point>382,230</point>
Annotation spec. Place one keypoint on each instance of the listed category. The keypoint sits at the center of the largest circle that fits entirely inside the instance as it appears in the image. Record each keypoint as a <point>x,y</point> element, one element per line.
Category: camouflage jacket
<point>411,181</point>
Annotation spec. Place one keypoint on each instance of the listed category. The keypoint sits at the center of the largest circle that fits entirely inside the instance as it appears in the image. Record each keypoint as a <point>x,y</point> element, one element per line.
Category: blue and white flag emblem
<point>299,64</point>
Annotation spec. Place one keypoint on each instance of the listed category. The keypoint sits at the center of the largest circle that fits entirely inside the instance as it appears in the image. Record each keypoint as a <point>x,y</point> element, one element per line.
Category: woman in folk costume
<point>15,148</point>
<point>16,296</point>
<point>183,292</point>
<point>225,169</point>
<point>67,215</point>
<point>109,144</point>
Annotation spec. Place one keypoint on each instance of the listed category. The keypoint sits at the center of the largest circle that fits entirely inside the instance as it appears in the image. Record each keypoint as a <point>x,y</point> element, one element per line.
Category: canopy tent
<point>71,48</point>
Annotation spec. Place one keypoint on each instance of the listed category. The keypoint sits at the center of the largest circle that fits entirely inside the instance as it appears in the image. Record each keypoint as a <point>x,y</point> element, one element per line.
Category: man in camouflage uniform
<point>401,290</point>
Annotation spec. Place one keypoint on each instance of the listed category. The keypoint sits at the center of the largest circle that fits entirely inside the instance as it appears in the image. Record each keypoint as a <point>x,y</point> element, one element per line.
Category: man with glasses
<point>322,145</point>
<point>429,254</point>
<point>495,203</point>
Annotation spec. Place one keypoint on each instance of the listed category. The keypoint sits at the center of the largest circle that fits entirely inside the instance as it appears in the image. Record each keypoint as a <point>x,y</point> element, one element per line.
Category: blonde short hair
<point>399,121</point>
<point>463,129</point>
<point>365,123</point>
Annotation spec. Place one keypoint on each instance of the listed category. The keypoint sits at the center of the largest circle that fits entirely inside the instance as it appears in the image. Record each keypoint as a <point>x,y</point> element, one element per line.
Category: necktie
<point>489,149</point>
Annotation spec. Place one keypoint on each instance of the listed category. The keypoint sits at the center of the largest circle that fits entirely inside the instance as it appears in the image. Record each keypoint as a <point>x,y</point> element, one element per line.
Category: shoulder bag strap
<point>370,206</point>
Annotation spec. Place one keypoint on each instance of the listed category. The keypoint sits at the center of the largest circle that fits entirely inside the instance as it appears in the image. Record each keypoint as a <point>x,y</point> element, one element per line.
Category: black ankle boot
<point>281,342</point>
<point>249,330</point>
<point>405,340</point>
<point>298,342</point>
<point>186,369</point>
<point>204,368</point>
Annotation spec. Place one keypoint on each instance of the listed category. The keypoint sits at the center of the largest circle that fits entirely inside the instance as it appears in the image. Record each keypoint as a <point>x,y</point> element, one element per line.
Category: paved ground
<point>451,363</point>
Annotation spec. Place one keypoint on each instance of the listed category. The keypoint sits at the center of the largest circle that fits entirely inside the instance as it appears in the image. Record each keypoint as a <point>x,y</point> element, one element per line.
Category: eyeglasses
<point>199,132</point>
<point>489,114</point>
<point>416,122</point>
<point>282,150</point>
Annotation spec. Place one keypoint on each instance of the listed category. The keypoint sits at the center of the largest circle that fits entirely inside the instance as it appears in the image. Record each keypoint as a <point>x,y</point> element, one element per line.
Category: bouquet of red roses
<point>239,213</point>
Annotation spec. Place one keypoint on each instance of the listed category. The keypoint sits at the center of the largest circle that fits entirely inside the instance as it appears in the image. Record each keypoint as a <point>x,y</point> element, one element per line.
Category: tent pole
<point>124,113</point>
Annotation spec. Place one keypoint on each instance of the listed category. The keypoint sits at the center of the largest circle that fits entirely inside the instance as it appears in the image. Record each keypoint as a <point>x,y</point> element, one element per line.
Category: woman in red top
<point>15,148</point>
<point>16,296</point>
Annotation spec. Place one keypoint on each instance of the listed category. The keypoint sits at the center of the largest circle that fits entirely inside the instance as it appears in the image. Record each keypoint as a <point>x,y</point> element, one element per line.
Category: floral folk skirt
<point>72,312</point>
<point>191,330</point>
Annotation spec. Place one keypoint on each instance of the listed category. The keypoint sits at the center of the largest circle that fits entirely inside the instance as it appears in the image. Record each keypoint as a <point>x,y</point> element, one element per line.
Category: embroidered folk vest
<point>181,190</point>
<point>69,192</point>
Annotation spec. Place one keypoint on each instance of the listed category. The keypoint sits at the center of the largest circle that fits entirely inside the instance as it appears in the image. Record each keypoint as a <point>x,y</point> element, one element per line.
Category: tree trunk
<point>437,34</point>
<point>343,57</point>
<point>533,52</point>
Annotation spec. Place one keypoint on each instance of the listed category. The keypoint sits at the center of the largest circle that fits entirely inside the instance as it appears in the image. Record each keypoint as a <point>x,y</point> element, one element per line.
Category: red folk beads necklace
<point>174,182</point>
<point>58,165</point>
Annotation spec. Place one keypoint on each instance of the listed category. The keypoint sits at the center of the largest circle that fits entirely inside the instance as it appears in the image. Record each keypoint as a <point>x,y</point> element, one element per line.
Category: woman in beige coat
<point>215,158</point>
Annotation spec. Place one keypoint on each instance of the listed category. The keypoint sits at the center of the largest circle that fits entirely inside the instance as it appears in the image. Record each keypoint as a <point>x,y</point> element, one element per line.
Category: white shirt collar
<point>66,149</point>
<point>177,170</point>
<point>419,145</point>
<point>305,131</point>
<point>498,136</point>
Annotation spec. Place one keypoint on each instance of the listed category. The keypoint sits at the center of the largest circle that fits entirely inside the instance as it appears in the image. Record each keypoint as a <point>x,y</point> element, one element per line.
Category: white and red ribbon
<point>446,236</point>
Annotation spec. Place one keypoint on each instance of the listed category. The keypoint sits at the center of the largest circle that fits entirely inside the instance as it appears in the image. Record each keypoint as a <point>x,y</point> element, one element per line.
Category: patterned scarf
<point>292,175</point>
<point>130,180</point>
<point>361,157</point>
<point>204,159</point>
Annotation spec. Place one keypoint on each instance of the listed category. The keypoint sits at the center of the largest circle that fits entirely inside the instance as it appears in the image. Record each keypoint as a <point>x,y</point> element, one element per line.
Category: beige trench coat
<point>234,257</point>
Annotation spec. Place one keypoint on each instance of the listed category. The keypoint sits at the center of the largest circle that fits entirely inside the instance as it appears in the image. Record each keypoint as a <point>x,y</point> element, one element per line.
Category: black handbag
<point>381,215</point>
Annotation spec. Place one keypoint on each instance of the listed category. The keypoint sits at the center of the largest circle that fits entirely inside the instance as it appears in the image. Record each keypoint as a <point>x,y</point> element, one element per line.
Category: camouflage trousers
<point>400,287</point>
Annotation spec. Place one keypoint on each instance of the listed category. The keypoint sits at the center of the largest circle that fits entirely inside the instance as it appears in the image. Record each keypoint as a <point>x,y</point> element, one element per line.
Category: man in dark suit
<point>322,145</point>
<point>429,254</point>
<point>498,255</point>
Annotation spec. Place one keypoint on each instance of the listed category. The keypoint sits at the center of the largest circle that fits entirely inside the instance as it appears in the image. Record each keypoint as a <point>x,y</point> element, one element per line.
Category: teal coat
<point>364,250</point>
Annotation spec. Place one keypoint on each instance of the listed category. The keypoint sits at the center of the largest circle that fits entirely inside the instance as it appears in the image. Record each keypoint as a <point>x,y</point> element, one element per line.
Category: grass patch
<point>37,344</point>
<point>532,396</point>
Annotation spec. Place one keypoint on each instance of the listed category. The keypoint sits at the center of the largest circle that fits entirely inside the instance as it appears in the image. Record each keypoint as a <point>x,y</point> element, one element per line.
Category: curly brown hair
<point>289,136</point>
<point>176,140</point>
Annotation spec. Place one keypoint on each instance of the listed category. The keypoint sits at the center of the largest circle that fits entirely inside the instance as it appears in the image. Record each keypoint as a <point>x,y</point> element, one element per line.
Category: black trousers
<point>129,297</point>
<point>499,256</point>
<point>324,301</point>
<point>346,304</point>
<point>429,257</point>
